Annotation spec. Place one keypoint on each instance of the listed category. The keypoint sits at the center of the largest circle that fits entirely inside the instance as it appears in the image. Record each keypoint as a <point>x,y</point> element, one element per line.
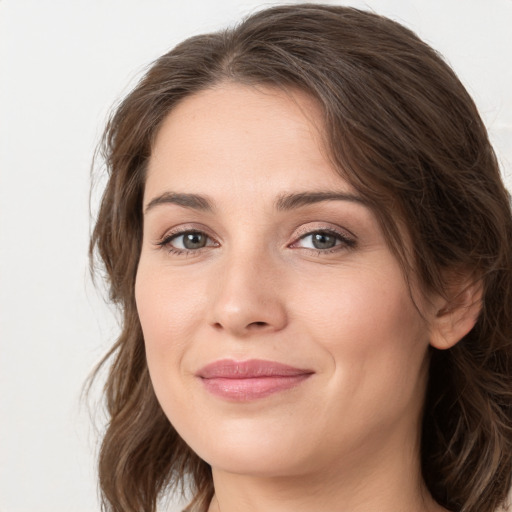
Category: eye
<point>187,241</point>
<point>323,240</point>
<point>320,240</point>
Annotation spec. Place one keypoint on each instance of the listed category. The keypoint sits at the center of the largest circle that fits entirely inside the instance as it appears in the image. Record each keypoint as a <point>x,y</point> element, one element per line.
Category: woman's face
<point>280,333</point>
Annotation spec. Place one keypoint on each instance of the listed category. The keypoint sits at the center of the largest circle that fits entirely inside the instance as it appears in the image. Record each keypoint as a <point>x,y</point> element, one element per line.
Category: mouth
<point>250,380</point>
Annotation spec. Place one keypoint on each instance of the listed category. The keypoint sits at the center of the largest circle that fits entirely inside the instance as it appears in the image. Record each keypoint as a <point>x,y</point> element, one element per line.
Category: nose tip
<point>247,302</point>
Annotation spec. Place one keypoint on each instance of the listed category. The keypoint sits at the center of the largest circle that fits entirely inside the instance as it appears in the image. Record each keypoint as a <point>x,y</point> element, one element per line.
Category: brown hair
<point>400,126</point>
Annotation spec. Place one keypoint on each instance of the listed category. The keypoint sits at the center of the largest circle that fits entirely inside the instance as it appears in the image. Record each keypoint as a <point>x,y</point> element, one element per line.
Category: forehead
<point>245,136</point>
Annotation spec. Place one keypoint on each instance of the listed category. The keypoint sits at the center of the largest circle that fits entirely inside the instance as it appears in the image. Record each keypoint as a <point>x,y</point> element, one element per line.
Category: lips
<point>250,380</point>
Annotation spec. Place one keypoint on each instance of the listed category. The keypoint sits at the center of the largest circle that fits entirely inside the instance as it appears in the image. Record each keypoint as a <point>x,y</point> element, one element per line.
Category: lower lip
<point>247,389</point>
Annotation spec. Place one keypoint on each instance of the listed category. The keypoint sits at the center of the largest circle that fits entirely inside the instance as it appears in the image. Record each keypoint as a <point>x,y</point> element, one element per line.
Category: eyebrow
<point>283,203</point>
<point>292,201</point>
<point>193,201</point>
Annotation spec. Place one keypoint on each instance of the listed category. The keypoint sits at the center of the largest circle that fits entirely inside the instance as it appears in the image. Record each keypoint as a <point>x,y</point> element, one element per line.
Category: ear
<point>456,312</point>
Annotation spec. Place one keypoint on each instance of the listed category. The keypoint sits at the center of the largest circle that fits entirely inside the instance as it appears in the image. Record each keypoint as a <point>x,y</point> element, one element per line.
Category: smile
<point>250,380</point>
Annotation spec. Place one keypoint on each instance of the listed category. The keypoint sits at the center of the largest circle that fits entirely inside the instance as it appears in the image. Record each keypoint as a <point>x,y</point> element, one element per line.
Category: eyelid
<point>313,227</point>
<point>185,228</point>
<point>319,225</point>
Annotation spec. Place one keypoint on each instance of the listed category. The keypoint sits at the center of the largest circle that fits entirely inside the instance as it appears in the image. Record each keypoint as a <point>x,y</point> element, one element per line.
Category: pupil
<point>323,241</point>
<point>194,240</point>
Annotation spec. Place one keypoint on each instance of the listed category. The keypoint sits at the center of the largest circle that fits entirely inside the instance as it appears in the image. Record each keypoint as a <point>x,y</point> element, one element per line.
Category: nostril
<point>257,324</point>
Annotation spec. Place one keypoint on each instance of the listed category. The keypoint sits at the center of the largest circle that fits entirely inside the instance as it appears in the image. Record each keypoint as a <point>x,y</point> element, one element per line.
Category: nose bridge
<point>246,296</point>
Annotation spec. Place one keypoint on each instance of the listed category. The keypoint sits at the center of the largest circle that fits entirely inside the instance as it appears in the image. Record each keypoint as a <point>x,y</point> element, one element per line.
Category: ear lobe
<point>456,314</point>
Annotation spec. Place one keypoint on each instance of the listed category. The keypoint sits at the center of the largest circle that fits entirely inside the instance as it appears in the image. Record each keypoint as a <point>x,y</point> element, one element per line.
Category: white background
<point>63,64</point>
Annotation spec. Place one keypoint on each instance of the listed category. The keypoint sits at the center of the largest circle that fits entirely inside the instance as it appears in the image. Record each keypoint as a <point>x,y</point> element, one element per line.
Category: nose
<point>247,297</point>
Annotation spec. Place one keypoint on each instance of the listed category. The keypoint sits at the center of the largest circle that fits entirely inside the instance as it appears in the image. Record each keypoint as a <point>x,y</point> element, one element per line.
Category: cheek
<point>375,338</point>
<point>168,313</point>
<point>361,309</point>
<point>168,309</point>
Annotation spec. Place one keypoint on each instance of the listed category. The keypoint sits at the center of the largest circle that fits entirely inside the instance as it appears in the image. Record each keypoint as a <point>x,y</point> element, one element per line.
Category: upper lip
<point>251,369</point>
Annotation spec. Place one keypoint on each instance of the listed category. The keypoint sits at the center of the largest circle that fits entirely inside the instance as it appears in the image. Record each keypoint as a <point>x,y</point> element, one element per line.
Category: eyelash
<point>345,242</point>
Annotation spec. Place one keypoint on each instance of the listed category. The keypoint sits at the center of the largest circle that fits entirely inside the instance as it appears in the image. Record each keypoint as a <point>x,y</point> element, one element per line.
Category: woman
<point>307,233</point>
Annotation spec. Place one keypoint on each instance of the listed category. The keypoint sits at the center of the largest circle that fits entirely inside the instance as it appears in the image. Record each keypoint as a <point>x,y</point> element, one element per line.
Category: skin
<point>345,439</point>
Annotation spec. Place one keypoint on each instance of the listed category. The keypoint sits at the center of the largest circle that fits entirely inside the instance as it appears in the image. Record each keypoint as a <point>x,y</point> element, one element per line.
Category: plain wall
<point>62,65</point>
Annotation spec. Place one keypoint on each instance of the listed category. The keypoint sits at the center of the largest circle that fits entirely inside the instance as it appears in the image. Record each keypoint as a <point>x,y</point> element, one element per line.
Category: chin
<point>249,449</point>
